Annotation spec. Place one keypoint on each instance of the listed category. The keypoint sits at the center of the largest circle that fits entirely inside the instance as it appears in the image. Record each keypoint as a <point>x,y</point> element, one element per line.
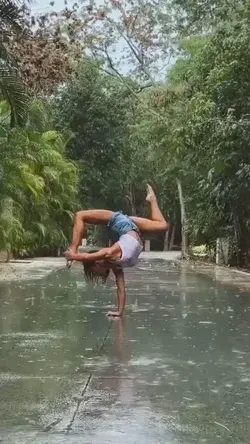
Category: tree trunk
<point>130,199</point>
<point>184,225</point>
<point>243,246</point>
<point>241,235</point>
<point>166,239</point>
<point>8,256</point>
<point>172,238</point>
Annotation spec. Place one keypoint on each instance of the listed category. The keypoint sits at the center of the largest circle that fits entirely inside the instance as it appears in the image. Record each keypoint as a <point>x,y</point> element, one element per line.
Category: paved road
<point>176,371</point>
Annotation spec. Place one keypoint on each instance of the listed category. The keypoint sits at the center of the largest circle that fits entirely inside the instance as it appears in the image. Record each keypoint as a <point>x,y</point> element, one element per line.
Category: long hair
<point>89,274</point>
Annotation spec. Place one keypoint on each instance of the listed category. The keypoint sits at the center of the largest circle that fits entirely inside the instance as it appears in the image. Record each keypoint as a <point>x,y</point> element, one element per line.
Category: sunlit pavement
<point>176,370</point>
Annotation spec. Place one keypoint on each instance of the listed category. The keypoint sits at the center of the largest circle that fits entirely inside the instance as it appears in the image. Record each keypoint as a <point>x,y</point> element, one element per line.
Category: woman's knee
<point>80,215</point>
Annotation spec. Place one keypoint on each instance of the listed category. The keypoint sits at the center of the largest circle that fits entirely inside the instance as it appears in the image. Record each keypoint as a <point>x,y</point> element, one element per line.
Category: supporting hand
<point>70,256</point>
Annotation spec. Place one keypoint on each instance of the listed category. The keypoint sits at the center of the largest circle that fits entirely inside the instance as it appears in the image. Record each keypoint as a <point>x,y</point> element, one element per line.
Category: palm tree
<point>11,87</point>
<point>38,186</point>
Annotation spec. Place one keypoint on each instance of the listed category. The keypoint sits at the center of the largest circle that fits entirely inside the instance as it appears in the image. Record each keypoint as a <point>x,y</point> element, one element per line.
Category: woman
<point>124,252</point>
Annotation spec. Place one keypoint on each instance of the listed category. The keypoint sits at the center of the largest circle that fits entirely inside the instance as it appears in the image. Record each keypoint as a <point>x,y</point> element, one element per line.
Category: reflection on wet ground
<point>176,370</point>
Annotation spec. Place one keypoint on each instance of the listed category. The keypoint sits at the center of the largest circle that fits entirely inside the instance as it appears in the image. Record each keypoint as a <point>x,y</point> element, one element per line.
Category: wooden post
<point>222,251</point>
<point>172,238</point>
<point>166,241</point>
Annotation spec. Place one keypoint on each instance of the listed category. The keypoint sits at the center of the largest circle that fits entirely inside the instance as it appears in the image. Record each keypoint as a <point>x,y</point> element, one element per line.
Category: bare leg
<point>94,217</point>
<point>158,222</point>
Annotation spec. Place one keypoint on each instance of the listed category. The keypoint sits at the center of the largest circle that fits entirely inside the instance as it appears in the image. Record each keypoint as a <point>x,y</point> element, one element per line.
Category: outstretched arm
<point>105,253</point>
<point>94,217</point>
<point>121,293</point>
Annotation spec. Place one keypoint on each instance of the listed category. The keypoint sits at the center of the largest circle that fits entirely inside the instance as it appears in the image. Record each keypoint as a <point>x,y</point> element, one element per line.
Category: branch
<point>107,72</point>
<point>116,73</point>
<point>139,59</point>
<point>159,116</point>
<point>111,65</point>
<point>133,49</point>
<point>97,65</point>
<point>142,87</point>
<point>134,22</point>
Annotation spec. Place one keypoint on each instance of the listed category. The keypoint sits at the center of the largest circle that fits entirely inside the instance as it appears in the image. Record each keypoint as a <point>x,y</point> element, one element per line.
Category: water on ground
<point>175,371</point>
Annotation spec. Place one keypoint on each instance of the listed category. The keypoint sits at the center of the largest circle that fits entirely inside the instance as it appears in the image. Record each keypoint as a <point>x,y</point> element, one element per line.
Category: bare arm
<point>121,292</point>
<point>104,253</point>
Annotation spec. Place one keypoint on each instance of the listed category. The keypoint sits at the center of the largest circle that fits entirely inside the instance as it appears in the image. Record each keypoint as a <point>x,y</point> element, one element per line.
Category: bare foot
<point>150,194</point>
<point>114,314</point>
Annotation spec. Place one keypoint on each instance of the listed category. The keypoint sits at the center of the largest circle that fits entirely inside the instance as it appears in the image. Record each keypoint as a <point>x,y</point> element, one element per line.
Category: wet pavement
<point>175,371</point>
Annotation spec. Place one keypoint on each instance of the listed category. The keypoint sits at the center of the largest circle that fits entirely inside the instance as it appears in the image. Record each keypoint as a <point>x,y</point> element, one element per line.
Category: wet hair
<point>90,275</point>
<point>93,277</point>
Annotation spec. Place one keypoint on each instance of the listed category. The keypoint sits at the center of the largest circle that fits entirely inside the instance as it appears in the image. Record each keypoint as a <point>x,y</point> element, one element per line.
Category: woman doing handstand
<point>123,253</point>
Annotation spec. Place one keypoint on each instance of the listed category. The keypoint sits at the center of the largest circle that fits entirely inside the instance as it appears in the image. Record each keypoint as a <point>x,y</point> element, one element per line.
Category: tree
<point>45,55</point>
<point>103,116</point>
<point>215,133</point>
<point>38,189</point>
<point>97,110</point>
<point>144,29</point>
<point>193,18</point>
<point>11,86</point>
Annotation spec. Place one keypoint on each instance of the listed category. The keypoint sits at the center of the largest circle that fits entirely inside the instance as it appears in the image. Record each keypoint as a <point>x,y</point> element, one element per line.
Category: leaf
<point>13,91</point>
<point>10,15</point>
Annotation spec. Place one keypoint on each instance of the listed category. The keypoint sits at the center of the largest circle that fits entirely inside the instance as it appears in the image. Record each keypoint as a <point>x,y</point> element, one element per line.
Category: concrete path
<point>37,268</point>
<point>170,256</point>
<point>175,371</point>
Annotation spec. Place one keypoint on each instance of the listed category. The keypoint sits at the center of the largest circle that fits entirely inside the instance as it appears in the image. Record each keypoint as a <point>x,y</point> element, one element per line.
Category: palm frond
<point>13,90</point>
<point>69,213</point>
<point>39,118</point>
<point>55,139</point>
<point>36,179</point>
<point>10,15</point>
<point>40,228</point>
<point>6,56</point>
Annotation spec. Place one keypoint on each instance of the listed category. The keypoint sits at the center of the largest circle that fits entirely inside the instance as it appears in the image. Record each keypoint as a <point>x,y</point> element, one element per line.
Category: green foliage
<point>10,16</point>
<point>192,16</point>
<point>12,88</point>
<point>96,109</point>
<point>212,132</point>
<point>191,129</point>
<point>38,188</point>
